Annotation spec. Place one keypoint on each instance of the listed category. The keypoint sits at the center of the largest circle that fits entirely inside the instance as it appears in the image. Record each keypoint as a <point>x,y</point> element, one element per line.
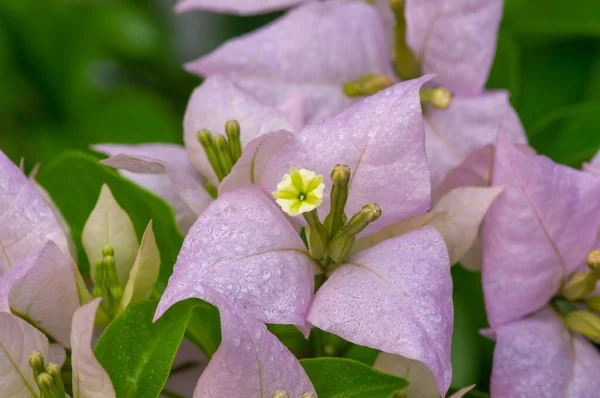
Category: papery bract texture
<point>250,362</point>
<point>241,7</point>
<point>538,357</point>
<point>470,123</point>
<point>18,340</point>
<point>381,139</point>
<point>254,160</point>
<point>42,289</point>
<point>311,52</point>
<point>395,297</point>
<point>536,233</point>
<point>422,382</point>
<point>90,380</point>
<point>454,39</point>
<point>244,248</point>
<point>164,169</point>
<point>218,101</point>
<point>27,220</point>
<point>457,216</point>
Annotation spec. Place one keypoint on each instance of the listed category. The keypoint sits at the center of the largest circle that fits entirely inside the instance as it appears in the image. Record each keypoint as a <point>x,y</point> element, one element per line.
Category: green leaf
<point>553,76</point>
<point>362,354</point>
<point>471,352</point>
<point>138,354</point>
<point>345,378</point>
<point>506,69</point>
<point>569,135</point>
<point>204,328</point>
<point>74,180</point>
<point>293,339</point>
<point>552,18</point>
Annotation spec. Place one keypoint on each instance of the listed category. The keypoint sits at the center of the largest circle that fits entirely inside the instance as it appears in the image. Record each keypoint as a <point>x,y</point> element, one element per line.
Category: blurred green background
<point>80,72</point>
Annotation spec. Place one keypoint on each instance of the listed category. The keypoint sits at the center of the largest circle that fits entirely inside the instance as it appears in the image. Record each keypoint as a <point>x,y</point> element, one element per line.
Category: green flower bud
<point>281,394</point>
<point>46,384</point>
<point>108,251</point>
<point>342,244</point>
<point>593,260</point>
<point>593,303</point>
<point>367,85</point>
<point>335,220</point>
<point>233,131</point>
<point>210,150</point>
<point>36,362</point>
<point>54,370</point>
<point>584,323</point>
<point>224,154</point>
<point>580,285</point>
<point>317,235</point>
<point>405,61</point>
<point>438,97</point>
<point>307,394</point>
<point>100,279</point>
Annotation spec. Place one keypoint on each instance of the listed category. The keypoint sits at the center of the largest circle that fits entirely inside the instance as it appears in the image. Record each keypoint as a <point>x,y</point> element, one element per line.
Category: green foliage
<point>138,354</point>
<point>204,328</point>
<point>74,180</point>
<point>346,378</point>
<point>471,352</point>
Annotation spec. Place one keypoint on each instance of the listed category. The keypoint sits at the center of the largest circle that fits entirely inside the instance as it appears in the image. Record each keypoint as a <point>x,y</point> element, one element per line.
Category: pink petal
<point>18,340</point>
<point>26,219</point>
<point>470,123</point>
<point>381,138</point>
<point>90,380</point>
<point>536,232</point>
<point>474,171</point>
<point>293,108</point>
<point>538,357</point>
<point>594,165</point>
<point>42,288</point>
<point>454,39</point>
<point>171,177</point>
<point>216,102</point>
<point>311,52</point>
<point>395,297</point>
<point>243,247</point>
<point>250,362</point>
<point>254,161</point>
<point>239,7</point>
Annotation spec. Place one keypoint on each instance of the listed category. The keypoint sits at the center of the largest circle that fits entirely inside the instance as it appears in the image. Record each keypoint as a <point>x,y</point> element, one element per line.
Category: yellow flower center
<point>300,191</point>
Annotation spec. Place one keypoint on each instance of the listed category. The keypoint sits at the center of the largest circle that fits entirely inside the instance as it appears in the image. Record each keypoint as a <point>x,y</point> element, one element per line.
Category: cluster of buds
<point>222,151</point>
<point>107,283</point>
<point>331,241</point>
<point>47,377</point>
<point>579,288</point>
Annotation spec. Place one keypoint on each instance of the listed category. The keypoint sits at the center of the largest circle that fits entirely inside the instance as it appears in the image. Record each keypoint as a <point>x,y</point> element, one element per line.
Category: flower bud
<point>367,85</point>
<point>580,285</point>
<point>317,235</point>
<point>281,394</point>
<point>36,362</point>
<point>593,303</point>
<point>307,394</point>
<point>405,61</point>
<point>54,370</point>
<point>335,220</point>
<point>342,244</point>
<point>205,139</point>
<point>233,131</point>
<point>584,323</point>
<point>224,154</point>
<point>108,251</point>
<point>438,97</point>
<point>593,260</point>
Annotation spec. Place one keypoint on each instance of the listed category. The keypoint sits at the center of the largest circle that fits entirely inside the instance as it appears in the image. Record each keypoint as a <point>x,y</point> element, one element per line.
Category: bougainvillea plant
<point>342,166</point>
